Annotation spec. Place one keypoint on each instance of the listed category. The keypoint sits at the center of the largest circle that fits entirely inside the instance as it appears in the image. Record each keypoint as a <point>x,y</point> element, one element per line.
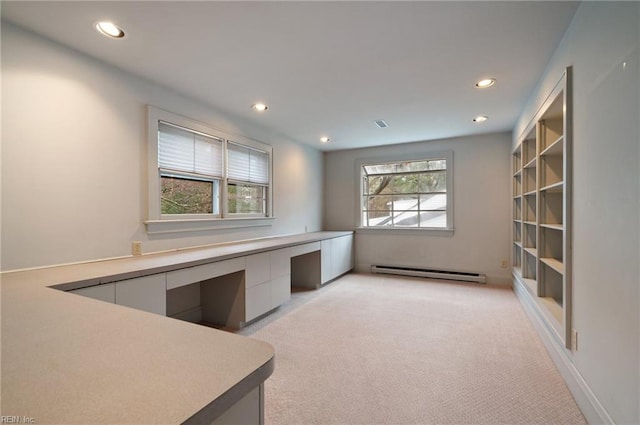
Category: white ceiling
<point>327,68</point>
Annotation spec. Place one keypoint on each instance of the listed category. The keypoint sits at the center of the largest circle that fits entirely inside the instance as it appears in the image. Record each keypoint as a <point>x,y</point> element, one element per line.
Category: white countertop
<point>71,359</point>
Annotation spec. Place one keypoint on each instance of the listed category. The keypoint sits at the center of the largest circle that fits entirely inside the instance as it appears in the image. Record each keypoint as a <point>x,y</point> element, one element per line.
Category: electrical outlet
<point>136,248</point>
<point>504,264</point>
<point>574,340</point>
<point>305,229</point>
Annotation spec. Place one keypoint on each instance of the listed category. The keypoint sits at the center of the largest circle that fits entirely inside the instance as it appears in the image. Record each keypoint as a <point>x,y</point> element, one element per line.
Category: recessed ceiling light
<point>325,139</point>
<point>109,29</point>
<point>480,118</point>
<point>260,107</point>
<point>487,82</point>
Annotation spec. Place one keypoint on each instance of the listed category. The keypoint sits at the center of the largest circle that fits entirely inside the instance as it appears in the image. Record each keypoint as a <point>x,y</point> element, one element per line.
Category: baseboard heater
<point>431,273</point>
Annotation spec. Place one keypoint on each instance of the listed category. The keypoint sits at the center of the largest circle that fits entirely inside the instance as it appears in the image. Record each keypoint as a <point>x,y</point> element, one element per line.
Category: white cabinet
<point>325,261</point>
<point>105,292</point>
<point>258,269</point>
<point>148,293</point>
<point>341,255</point>
<point>267,281</point>
<point>280,261</point>
<point>257,301</point>
<point>234,291</point>
<point>280,290</point>
<point>336,257</point>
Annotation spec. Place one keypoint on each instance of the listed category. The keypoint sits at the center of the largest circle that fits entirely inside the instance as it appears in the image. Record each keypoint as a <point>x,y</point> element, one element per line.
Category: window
<point>190,166</point>
<point>197,173</point>
<point>412,194</point>
<point>248,180</point>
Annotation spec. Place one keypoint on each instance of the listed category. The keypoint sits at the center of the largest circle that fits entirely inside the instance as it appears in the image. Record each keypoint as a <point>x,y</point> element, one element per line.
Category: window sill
<point>421,231</point>
<point>155,227</point>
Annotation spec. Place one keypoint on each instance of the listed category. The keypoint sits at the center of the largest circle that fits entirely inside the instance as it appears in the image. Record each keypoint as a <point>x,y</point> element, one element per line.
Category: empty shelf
<point>555,148</point>
<point>556,265</point>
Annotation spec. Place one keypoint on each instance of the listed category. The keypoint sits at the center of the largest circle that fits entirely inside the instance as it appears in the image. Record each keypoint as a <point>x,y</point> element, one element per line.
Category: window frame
<point>429,156</point>
<point>170,223</point>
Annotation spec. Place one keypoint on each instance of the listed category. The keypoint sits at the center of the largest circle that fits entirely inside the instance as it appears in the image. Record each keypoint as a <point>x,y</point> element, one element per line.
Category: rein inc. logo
<point>16,420</point>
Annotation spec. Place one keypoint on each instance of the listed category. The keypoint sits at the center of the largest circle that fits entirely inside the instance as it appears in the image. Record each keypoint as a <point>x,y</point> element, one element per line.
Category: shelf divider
<point>554,264</point>
<point>530,164</point>
<point>555,148</point>
<point>557,187</point>
<point>552,226</point>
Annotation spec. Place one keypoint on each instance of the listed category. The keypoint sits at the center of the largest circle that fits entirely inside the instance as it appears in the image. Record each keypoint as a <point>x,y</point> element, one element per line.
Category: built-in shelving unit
<point>541,210</point>
<point>516,251</point>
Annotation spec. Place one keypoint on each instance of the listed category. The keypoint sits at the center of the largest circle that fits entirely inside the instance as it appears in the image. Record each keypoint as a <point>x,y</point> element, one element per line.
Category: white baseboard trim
<point>589,404</point>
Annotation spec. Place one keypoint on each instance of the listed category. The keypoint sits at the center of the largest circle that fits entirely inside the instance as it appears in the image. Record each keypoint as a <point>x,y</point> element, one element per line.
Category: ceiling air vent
<point>381,123</point>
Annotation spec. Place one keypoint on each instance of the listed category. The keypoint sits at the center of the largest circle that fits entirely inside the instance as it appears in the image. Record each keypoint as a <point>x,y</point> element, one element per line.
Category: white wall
<point>481,208</point>
<point>606,181</point>
<point>74,166</point>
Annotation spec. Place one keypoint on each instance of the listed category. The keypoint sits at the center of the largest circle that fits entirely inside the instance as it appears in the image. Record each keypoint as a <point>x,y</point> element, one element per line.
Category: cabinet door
<point>257,269</point>
<point>106,292</point>
<point>257,300</point>
<point>280,262</point>
<point>325,260</point>
<point>147,293</point>
<point>341,255</point>
<point>280,290</point>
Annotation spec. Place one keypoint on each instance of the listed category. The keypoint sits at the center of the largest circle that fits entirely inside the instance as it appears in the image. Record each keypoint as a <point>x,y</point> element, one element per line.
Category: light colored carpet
<point>370,349</point>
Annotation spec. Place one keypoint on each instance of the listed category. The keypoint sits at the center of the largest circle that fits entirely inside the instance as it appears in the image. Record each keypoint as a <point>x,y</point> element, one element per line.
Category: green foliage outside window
<point>384,189</point>
<point>186,196</point>
<point>246,199</point>
<point>404,193</point>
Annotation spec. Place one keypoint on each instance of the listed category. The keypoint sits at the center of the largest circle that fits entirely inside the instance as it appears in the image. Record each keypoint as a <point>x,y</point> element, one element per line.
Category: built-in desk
<point>71,359</point>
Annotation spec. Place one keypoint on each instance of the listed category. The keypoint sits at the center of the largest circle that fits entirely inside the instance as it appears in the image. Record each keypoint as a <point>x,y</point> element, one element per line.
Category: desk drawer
<point>182,277</point>
<point>305,248</point>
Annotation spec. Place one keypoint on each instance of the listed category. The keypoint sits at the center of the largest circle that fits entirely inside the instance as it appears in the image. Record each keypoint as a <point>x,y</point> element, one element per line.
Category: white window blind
<point>183,150</point>
<point>247,164</point>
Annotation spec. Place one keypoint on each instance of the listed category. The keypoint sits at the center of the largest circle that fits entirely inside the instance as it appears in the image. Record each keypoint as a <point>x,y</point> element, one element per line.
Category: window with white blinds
<point>247,165</point>
<point>197,172</point>
<point>184,150</point>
